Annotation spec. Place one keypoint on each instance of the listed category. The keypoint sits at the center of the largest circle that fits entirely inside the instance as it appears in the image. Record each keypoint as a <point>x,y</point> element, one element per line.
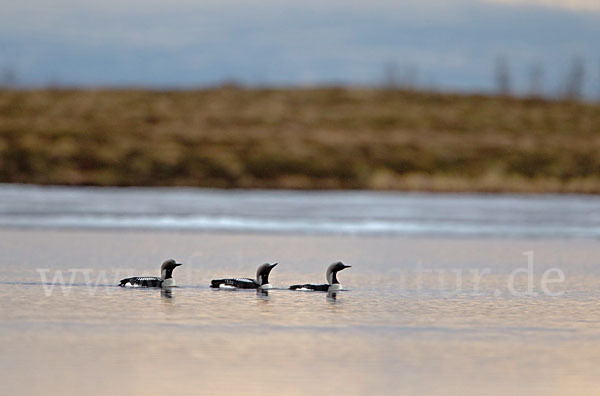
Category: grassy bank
<point>299,138</point>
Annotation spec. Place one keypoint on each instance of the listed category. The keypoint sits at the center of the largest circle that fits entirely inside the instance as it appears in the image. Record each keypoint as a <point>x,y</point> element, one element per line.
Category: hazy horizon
<point>449,46</point>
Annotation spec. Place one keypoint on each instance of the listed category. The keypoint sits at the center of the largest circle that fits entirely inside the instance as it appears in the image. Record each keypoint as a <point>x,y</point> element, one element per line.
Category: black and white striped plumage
<point>142,281</point>
<point>332,280</point>
<point>165,280</point>
<point>238,283</point>
<point>262,280</point>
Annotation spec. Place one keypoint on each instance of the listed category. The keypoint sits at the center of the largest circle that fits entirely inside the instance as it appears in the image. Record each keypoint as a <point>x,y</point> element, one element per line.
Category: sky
<point>448,45</point>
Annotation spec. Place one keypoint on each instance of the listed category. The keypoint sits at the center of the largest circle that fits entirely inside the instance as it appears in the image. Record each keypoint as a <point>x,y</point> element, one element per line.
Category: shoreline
<point>327,138</point>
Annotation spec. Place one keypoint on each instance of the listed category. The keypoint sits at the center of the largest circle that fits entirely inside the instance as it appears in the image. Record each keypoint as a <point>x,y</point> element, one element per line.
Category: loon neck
<point>263,279</point>
<point>335,281</point>
<point>332,278</point>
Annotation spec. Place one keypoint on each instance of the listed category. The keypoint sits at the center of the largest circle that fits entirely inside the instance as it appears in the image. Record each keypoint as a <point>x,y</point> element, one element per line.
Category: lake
<point>448,294</point>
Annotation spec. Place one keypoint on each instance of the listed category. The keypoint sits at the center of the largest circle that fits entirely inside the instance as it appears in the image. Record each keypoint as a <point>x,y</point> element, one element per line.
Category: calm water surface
<point>413,319</point>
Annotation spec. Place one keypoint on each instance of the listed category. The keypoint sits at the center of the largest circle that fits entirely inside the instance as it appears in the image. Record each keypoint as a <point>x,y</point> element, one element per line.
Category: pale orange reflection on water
<point>374,338</point>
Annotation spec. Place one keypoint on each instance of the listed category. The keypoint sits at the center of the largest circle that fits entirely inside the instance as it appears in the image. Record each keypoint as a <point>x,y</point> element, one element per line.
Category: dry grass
<point>299,138</point>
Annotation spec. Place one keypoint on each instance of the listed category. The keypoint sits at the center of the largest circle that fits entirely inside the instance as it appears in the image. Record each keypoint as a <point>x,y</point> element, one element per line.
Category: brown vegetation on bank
<point>299,138</point>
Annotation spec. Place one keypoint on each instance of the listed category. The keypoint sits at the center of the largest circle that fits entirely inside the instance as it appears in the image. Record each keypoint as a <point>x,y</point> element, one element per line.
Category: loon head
<point>166,269</point>
<point>262,273</point>
<point>332,271</point>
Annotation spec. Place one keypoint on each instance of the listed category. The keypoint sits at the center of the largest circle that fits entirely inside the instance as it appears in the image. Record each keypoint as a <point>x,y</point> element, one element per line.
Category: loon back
<point>142,281</point>
<point>239,283</point>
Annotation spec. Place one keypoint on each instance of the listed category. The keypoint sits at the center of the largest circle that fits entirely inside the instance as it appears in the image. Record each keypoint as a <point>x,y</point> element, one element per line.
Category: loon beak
<point>273,265</point>
<point>347,266</point>
<point>177,264</point>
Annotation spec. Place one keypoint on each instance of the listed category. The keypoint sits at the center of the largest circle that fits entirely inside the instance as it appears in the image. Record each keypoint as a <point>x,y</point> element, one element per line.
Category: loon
<point>261,282</point>
<point>165,280</point>
<point>332,282</point>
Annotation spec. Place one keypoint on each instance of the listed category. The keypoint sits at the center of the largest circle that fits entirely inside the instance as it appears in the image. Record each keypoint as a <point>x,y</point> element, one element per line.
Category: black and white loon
<point>332,281</point>
<point>165,280</point>
<point>261,282</point>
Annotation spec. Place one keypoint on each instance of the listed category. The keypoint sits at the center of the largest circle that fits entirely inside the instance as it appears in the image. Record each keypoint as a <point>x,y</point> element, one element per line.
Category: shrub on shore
<point>314,138</point>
